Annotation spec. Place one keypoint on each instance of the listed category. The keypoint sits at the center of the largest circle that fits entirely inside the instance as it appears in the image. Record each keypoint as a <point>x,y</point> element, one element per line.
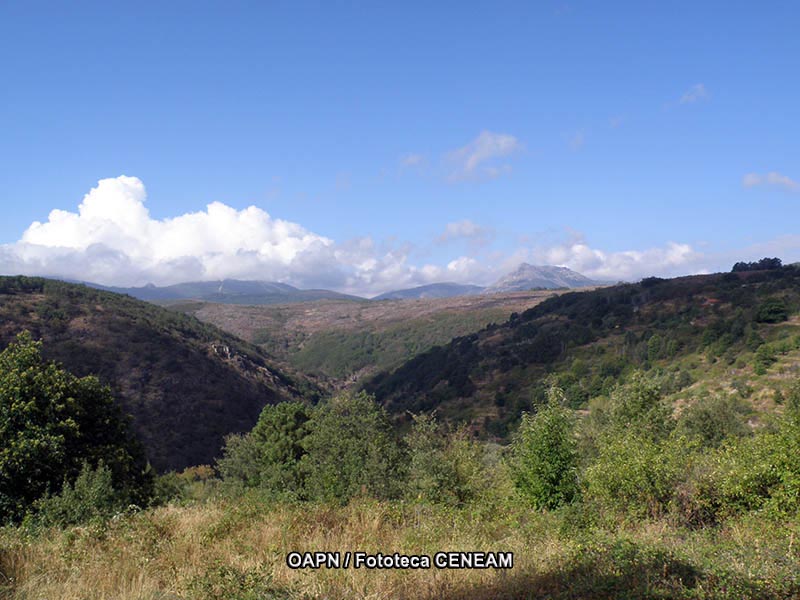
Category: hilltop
<point>531,277</point>
<point>185,383</point>
<point>228,291</point>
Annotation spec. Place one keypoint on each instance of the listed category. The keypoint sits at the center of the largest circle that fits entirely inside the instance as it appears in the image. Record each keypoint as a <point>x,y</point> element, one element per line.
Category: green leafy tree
<point>772,310</point>
<point>269,456</point>
<point>51,423</point>
<point>351,449</point>
<point>544,458</point>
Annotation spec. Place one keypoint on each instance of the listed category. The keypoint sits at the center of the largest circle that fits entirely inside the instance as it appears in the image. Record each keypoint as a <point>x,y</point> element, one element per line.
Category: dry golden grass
<point>237,550</point>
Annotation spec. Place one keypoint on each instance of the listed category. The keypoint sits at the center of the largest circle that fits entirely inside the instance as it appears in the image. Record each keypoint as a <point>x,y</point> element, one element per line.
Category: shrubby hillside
<point>186,383</point>
<point>735,334</point>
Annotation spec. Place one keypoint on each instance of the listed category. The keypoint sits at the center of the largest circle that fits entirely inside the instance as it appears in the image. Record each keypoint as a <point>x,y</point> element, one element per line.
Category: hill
<point>433,290</point>
<point>186,384</point>
<point>228,291</point>
<point>340,342</point>
<point>531,277</point>
<point>729,334</point>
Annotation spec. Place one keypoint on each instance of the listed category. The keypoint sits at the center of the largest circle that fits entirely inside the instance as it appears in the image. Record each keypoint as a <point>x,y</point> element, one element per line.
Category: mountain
<point>185,383</point>
<point>529,277</point>
<point>704,335</point>
<point>228,291</point>
<point>433,290</point>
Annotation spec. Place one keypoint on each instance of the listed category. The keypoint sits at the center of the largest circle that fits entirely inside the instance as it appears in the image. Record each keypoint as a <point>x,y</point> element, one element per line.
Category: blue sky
<point>392,144</point>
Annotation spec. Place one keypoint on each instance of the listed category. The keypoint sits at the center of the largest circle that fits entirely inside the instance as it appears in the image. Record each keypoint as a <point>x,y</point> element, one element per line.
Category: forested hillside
<point>186,384</point>
<point>734,333</point>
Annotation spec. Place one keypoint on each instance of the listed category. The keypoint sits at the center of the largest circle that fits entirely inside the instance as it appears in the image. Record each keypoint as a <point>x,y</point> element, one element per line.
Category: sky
<point>365,146</point>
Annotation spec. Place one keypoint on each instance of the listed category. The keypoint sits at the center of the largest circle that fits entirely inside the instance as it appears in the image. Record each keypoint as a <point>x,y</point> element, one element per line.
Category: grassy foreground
<point>236,549</point>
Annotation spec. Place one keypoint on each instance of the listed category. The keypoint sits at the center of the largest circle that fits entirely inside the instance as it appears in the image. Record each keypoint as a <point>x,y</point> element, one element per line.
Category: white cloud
<point>694,94</point>
<point>112,239</point>
<point>771,178</point>
<point>469,162</point>
<point>411,160</point>
<point>673,259</point>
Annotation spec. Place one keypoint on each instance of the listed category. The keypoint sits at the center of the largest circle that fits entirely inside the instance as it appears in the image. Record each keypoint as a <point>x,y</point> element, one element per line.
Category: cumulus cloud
<point>771,178</point>
<point>470,161</point>
<point>694,94</point>
<point>673,259</point>
<point>112,239</point>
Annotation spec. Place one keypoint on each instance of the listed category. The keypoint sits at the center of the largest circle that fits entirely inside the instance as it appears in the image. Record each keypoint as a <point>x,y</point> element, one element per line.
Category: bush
<point>637,475</point>
<point>445,467</point>
<point>639,406</point>
<point>351,450</point>
<point>91,496</point>
<point>712,420</point>
<point>544,455</point>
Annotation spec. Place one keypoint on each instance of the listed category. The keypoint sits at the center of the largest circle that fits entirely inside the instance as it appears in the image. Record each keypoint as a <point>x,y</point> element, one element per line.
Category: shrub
<point>712,420</point>
<point>544,456</point>
<point>639,405</point>
<point>90,496</point>
<point>638,475</point>
<point>445,467</point>
<point>351,449</point>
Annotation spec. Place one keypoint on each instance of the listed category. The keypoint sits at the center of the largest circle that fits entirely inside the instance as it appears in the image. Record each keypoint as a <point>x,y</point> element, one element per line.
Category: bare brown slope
<point>340,342</point>
<point>186,384</point>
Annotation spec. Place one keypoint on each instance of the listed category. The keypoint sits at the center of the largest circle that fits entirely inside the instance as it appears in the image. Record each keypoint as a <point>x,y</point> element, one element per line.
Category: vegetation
<point>185,383</point>
<point>652,460</point>
<point>53,425</point>
<point>698,336</point>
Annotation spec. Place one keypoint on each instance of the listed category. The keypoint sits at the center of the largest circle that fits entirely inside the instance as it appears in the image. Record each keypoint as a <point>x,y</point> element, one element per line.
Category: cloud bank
<point>772,178</point>
<point>111,239</point>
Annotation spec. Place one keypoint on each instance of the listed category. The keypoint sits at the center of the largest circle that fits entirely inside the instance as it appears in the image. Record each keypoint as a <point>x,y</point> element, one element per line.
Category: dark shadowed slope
<point>186,384</point>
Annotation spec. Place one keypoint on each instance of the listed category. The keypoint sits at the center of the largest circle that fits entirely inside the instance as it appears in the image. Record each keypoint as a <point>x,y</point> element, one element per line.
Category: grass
<point>236,549</point>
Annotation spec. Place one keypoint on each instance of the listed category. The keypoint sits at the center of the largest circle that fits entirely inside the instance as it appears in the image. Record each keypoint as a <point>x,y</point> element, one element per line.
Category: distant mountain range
<point>234,291</point>
<point>228,291</point>
<point>433,290</point>
<point>528,277</point>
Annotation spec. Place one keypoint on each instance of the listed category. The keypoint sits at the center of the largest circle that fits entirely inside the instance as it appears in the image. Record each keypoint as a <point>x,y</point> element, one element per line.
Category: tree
<point>51,423</point>
<point>544,457</point>
<point>269,456</point>
<point>772,310</point>
<point>351,449</point>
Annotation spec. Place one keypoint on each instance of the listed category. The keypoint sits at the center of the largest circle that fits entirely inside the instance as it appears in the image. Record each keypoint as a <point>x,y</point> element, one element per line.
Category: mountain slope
<point>340,342</point>
<point>432,290</point>
<point>185,383</point>
<point>228,291</point>
<point>528,277</point>
<point>725,333</point>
